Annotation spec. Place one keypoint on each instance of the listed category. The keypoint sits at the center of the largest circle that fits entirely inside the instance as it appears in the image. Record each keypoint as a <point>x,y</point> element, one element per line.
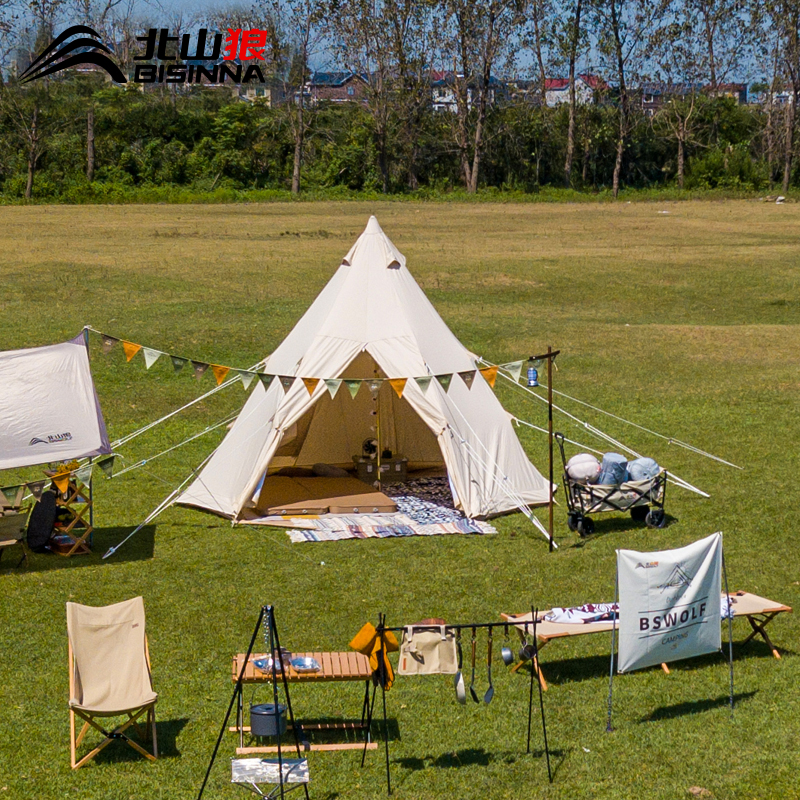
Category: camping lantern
<point>533,376</point>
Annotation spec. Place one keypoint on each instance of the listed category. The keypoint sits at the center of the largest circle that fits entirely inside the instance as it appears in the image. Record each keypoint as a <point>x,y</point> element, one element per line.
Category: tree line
<point>75,136</point>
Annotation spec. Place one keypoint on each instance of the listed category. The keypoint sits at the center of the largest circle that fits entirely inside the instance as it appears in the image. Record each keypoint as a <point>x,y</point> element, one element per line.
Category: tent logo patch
<point>678,578</point>
<point>56,56</point>
<point>51,439</point>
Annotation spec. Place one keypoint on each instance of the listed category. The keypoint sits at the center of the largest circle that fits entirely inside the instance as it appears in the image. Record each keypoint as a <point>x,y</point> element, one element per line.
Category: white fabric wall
<point>48,406</point>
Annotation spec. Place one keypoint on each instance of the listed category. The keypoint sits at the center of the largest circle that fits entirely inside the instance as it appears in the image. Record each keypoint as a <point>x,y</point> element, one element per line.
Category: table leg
<point>758,629</point>
<point>240,717</point>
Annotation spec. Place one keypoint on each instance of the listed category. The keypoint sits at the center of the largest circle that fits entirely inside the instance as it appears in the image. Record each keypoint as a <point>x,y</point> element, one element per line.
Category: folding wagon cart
<point>643,499</point>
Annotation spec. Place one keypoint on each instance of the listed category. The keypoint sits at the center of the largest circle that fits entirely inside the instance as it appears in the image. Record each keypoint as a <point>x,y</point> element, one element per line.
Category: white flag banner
<point>669,603</point>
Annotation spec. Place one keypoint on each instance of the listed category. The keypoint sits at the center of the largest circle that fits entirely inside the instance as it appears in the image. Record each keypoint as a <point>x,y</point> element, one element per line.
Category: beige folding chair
<point>109,674</point>
<point>13,528</point>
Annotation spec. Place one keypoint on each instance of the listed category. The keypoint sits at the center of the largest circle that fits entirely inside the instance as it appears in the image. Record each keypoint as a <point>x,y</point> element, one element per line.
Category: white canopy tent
<point>49,409</point>
<point>372,320</point>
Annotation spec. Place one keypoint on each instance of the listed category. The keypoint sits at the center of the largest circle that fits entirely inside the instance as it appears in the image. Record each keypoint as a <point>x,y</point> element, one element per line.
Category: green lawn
<point>684,317</point>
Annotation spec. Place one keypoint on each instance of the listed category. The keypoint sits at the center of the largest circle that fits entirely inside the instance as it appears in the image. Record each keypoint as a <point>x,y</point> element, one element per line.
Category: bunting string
<point>226,375</point>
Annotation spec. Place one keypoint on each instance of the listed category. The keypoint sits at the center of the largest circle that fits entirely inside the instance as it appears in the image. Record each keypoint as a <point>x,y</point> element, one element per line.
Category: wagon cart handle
<point>559,437</point>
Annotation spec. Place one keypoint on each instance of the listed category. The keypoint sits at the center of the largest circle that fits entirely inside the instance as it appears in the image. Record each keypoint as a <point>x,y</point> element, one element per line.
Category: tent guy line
<point>677,480</point>
<point>669,439</point>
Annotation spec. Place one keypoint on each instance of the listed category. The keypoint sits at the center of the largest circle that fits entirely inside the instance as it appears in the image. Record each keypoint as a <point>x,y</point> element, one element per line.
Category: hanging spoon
<point>472,691</point>
<point>487,698</point>
<point>458,682</point>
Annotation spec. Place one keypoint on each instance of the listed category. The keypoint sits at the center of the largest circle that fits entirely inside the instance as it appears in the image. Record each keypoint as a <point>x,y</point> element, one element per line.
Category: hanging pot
<point>506,652</point>
<point>264,721</point>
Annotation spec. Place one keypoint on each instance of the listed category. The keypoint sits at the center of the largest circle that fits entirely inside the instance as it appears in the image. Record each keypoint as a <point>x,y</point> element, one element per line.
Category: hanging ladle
<point>487,698</point>
<point>458,682</point>
<point>472,691</point>
<point>507,653</point>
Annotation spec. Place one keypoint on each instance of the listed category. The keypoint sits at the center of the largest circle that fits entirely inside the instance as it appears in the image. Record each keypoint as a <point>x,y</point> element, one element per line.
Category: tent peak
<point>377,245</point>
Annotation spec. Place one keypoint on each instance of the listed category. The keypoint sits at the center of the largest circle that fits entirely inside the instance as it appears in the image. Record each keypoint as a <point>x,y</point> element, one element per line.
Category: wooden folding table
<point>347,666</point>
<point>758,611</point>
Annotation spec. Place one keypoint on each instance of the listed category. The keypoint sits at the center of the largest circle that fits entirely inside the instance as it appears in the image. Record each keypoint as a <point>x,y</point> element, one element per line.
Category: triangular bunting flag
<point>10,493</point>
<point>108,343</point>
<point>489,375</point>
<point>353,386</point>
<point>286,381</point>
<point>375,385</point>
<point>246,377</point>
<point>424,383</point>
<point>220,372</point>
<point>468,377</point>
<point>398,384</point>
<point>107,465</point>
<point>130,349</point>
<point>514,370</point>
<point>333,385</point>
<point>62,482</point>
<point>84,474</point>
<point>150,356</point>
<point>178,363</point>
<point>266,380</point>
<point>445,380</point>
<point>311,384</point>
<point>36,489</point>
<point>199,368</point>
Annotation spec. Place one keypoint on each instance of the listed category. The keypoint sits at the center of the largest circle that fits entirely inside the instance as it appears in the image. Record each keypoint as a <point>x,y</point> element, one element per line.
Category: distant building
<point>335,87</point>
<point>587,89</point>
<point>738,91</point>
<point>656,94</point>
<point>443,91</point>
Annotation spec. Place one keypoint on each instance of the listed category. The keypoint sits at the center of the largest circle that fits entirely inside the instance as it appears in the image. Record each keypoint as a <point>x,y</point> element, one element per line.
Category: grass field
<point>684,317</point>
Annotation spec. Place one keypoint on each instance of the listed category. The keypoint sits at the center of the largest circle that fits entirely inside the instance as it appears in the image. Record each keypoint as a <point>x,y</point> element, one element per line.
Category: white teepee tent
<point>372,320</point>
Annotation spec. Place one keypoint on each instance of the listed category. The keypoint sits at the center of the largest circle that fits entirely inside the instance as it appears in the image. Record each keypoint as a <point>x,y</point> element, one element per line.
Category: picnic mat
<point>425,508</point>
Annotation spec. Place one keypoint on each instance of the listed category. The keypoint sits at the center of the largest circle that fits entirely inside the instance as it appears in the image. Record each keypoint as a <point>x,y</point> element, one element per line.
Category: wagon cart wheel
<point>572,520</point>
<point>656,518</point>
<point>639,513</point>
<point>585,526</point>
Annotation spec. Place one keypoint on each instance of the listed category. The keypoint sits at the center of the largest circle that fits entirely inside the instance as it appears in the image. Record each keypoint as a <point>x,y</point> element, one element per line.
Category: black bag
<point>41,521</point>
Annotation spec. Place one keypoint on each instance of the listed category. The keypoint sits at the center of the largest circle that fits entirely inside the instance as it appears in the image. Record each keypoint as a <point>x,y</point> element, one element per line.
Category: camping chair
<point>109,673</point>
<point>13,524</point>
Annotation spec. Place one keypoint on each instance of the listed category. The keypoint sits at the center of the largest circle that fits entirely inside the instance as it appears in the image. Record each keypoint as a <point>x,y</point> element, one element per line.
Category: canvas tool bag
<point>428,650</point>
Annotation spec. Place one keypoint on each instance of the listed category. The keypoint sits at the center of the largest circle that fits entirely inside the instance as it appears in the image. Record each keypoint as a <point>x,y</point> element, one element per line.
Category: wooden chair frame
<point>20,513</point>
<point>76,502</point>
<point>118,732</point>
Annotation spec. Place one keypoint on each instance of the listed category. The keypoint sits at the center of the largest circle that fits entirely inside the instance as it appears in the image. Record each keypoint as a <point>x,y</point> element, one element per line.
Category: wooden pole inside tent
<point>376,399</point>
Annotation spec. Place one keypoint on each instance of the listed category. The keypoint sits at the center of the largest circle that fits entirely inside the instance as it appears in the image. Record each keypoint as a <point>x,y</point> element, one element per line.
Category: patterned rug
<point>424,506</point>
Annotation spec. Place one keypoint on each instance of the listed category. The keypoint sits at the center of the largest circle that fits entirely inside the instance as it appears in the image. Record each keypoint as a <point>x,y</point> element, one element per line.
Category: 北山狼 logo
<point>61,54</point>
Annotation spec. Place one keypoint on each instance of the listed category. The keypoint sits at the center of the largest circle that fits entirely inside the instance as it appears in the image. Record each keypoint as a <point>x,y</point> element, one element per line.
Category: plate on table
<point>305,664</point>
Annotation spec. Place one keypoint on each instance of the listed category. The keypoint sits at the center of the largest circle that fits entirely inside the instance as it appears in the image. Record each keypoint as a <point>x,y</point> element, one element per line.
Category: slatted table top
<point>348,666</point>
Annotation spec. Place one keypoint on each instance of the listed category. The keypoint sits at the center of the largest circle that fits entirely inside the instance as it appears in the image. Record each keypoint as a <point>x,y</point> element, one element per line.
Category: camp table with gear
<point>302,668</point>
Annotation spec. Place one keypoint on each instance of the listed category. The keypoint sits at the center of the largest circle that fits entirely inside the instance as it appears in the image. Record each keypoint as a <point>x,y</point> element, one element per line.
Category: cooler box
<point>392,470</point>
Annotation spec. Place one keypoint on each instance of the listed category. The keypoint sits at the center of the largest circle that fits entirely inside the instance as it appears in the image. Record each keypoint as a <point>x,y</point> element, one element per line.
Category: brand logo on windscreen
<point>53,438</point>
<point>55,57</point>
<point>677,579</point>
